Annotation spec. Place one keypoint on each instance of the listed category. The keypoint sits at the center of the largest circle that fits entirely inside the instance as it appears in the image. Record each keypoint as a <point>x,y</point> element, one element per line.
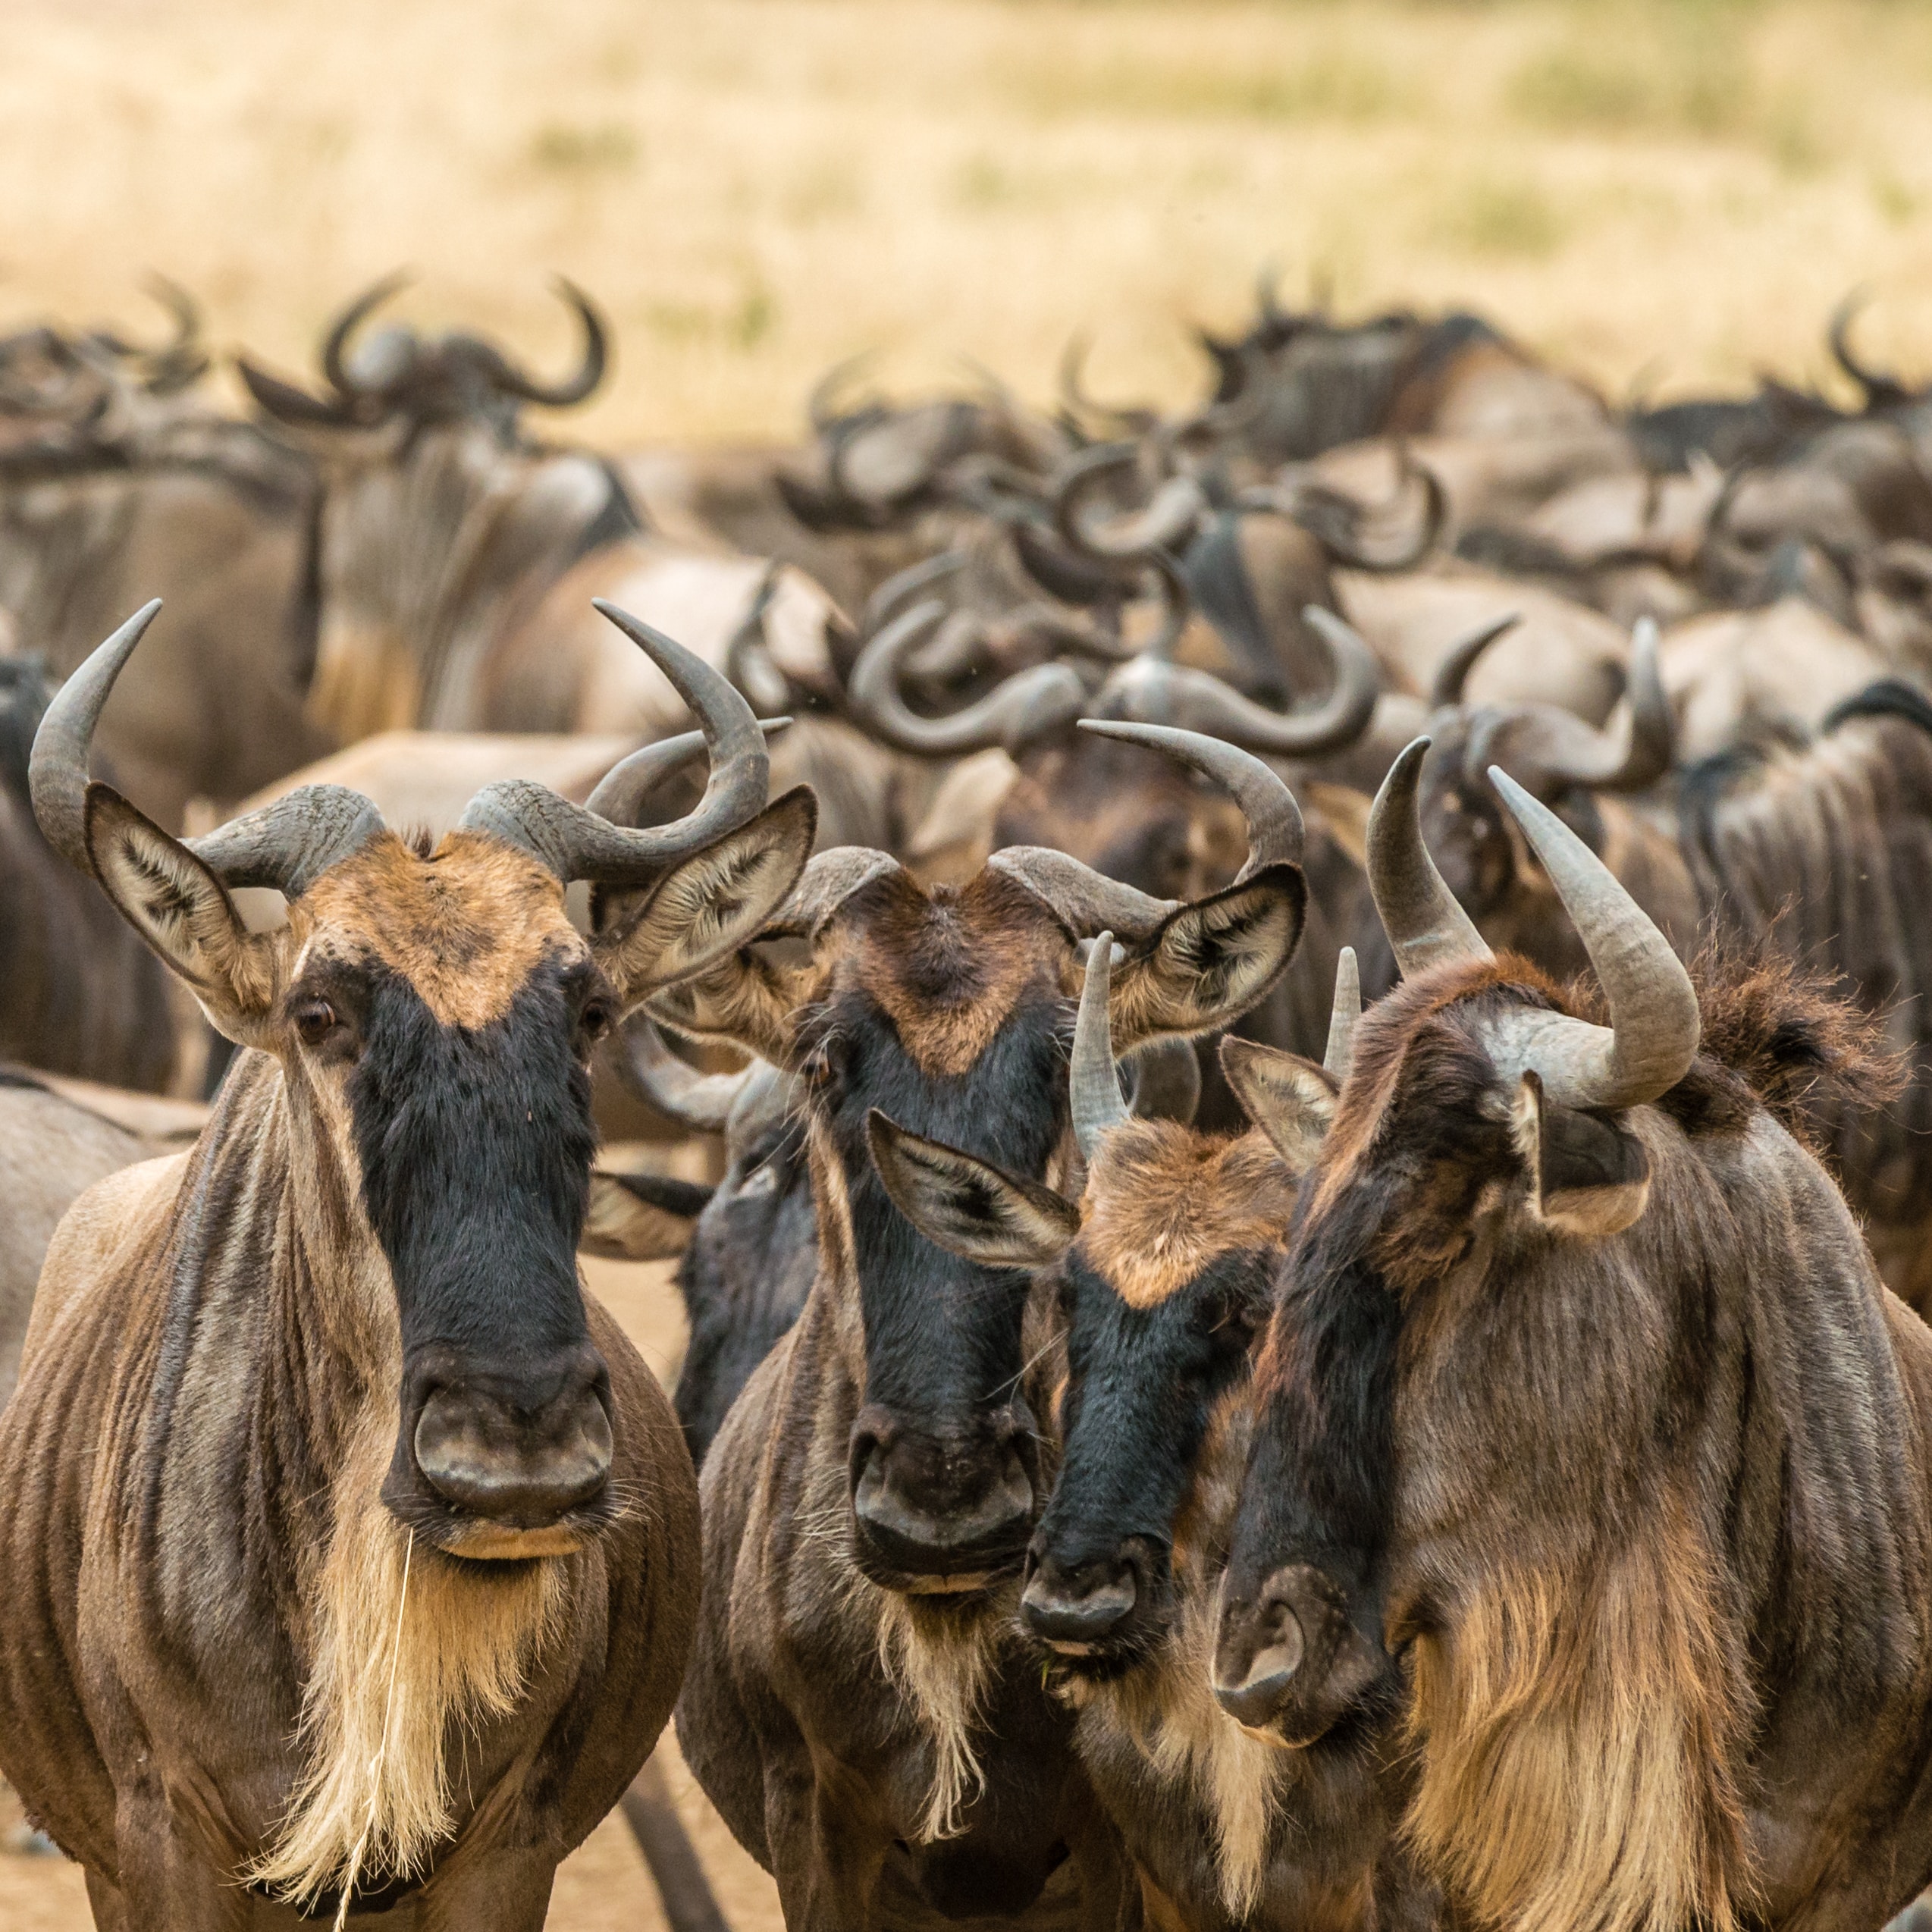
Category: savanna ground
<point>1660,195</point>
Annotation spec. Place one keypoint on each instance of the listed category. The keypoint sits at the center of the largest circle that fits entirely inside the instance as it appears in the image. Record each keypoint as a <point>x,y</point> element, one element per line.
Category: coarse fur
<point>1654,1589</point>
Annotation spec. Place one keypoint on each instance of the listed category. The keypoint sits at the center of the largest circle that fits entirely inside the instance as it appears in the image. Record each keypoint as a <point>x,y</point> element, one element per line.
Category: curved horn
<point>286,845</point>
<point>900,589</point>
<point>1425,925</point>
<point>287,403</point>
<point>573,389</point>
<point>1445,688</point>
<point>825,391</point>
<point>183,310</point>
<point>830,878</point>
<point>1197,701</point>
<point>1878,388</point>
<point>621,792</point>
<point>336,343</point>
<point>577,843</point>
<point>1175,509</point>
<point>747,659</point>
<point>1560,745</point>
<point>1339,1055</point>
<point>1276,833</point>
<point>656,1075</point>
<point>1074,399</point>
<point>1652,1037</point>
<point>1047,697</point>
<point>1093,1086</point>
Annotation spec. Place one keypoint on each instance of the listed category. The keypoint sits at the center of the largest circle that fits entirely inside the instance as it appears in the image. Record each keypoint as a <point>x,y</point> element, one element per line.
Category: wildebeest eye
<point>314,1020</point>
<point>598,1017</point>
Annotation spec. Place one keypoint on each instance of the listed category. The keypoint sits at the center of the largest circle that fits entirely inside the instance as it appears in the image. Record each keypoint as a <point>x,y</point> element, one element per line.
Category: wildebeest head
<point>432,1012</point>
<point>1484,1137</point>
<point>1562,762</point>
<point>1163,1284</point>
<point>947,1010</point>
<point>397,375</point>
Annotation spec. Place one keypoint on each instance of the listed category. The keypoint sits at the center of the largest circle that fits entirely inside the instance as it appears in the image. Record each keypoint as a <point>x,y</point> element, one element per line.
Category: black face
<point>1143,1385</point>
<point>475,1148</point>
<point>943,1456</point>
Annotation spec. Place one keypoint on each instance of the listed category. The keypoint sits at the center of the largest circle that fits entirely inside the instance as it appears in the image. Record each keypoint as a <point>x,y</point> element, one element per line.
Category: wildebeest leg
<point>110,1915</point>
<point>496,1891</point>
<point>826,1857</point>
<point>668,1853</point>
<point>167,1884</point>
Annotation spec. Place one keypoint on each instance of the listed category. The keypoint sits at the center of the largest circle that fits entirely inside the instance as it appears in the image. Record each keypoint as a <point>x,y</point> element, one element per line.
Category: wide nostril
<point>1077,1608</point>
<point>1255,1662</point>
<point>490,1459</point>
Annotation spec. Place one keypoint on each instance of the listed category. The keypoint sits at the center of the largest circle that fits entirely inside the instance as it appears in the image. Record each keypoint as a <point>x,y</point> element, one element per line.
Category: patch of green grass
<point>1330,84</point>
<point>1493,217</point>
<point>567,147</point>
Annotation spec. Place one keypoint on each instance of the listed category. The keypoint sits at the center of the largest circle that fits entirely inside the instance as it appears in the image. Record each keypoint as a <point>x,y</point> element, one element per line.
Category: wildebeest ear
<point>1291,1099</point>
<point>968,1206</point>
<point>172,899</point>
<point>1209,960</point>
<point>708,906</point>
<point>1589,1176</point>
<point>640,1217</point>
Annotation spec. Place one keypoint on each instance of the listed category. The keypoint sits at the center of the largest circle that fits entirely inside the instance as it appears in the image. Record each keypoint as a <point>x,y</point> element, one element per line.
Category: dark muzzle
<point>1291,1662</point>
<point>941,1510</point>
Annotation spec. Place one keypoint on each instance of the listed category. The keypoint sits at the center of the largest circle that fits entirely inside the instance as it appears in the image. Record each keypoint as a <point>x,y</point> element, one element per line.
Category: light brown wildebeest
<point>347,1548</point>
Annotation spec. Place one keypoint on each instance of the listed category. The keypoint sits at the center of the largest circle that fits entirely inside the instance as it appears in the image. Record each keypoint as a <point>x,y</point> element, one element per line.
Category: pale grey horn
<point>1452,674</point>
<point>702,1102</point>
<point>286,845</point>
<point>1652,1037</point>
<point>1425,925</point>
<point>576,843</point>
<point>1086,899</point>
<point>1175,509</point>
<point>1093,1086</point>
<point>621,792</point>
<point>829,878</point>
<point>1275,833</point>
<point>1047,697</point>
<point>1340,1054</point>
<point>1560,746</point>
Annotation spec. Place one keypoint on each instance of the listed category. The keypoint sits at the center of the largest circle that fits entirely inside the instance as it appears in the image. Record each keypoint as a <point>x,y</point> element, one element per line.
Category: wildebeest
<point>1163,1288</point>
<point>857,1709</point>
<point>82,994</point>
<point>325,1395</point>
<point>52,1146</point>
<point>454,560</point>
<point>1589,1434</point>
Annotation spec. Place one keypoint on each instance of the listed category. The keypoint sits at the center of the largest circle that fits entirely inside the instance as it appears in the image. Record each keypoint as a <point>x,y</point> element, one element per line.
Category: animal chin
<point>481,1540</point>
<point>948,1586</point>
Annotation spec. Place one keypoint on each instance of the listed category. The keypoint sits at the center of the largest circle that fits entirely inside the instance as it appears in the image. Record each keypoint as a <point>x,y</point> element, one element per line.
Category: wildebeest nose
<point>933,1508</point>
<point>525,1469</point>
<point>1255,1662</point>
<point>1078,1606</point>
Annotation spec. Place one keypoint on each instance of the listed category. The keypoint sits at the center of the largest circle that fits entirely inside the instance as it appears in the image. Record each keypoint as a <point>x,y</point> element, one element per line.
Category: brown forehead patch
<point>466,926</point>
<point>1162,1201</point>
<point>947,968</point>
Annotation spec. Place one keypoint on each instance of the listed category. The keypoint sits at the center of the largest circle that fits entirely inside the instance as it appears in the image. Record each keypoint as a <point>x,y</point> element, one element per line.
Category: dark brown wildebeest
<point>1587,1432</point>
<point>324,1398</point>
<point>454,560</point>
<point>1162,1290</point>
<point>858,1709</point>
<point>82,994</point>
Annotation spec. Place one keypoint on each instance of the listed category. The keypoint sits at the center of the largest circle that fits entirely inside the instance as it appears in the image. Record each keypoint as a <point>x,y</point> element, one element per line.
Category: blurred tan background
<point>1659,194</point>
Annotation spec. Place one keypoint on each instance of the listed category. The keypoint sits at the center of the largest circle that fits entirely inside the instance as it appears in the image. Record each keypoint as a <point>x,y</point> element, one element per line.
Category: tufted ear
<point>1209,960</point>
<point>1291,1099</point>
<point>708,906</point>
<point>1589,1176</point>
<point>640,1217</point>
<point>172,899</point>
<point>968,1206</point>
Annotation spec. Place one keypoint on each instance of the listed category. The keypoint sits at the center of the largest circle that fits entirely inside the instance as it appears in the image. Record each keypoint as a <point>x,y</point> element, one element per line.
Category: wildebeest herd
<point>1312,1047</point>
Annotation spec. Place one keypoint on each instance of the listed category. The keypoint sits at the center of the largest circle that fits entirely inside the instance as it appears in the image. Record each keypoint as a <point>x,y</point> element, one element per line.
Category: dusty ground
<point>1659,191</point>
<point>604,1887</point>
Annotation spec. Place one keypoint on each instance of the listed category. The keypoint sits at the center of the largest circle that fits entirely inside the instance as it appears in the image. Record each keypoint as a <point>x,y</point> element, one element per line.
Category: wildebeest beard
<point>475,1147</point>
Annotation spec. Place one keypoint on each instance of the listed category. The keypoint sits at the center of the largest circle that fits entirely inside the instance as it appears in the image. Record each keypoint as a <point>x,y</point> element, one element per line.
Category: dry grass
<point>756,187</point>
